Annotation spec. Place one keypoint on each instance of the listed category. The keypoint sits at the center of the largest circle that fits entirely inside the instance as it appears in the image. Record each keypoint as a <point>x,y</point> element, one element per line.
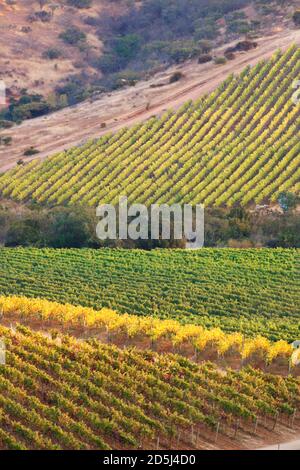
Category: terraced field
<point>239,144</point>
<point>70,395</point>
<point>251,291</point>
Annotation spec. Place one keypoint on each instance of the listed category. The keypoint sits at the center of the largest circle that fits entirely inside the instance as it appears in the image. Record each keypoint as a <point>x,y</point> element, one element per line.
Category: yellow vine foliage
<point>154,328</point>
<point>231,342</point>
<point>259,345</point>
<point>279,349</point>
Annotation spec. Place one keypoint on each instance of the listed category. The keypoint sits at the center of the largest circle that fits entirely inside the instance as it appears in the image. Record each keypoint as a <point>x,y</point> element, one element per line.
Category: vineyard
<point>70,395</point>
<point>109,326</point>
<point>254,292</point>
<point>238,145</point>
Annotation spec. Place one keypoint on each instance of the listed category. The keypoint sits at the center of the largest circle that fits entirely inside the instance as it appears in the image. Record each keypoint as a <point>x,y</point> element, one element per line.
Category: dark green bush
<point>80,3</point>
<point>52,54</point>
<point>73,36</point>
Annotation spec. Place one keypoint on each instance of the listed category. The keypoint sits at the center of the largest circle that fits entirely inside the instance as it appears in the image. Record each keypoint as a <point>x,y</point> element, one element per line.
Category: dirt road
<point>74,125</point>
<point>293,445</point>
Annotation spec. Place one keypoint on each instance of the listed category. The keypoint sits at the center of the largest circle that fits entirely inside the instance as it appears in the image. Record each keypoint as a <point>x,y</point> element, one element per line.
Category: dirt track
<point>74,125</point>
<point>293,445</point>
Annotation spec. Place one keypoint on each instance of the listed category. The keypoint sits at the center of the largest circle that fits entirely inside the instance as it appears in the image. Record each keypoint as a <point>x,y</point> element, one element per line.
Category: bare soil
<point>22,44</point>
<point>74,125</point>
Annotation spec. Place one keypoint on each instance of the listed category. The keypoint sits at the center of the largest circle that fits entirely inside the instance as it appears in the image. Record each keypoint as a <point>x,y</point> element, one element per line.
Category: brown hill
<point>24,40</point>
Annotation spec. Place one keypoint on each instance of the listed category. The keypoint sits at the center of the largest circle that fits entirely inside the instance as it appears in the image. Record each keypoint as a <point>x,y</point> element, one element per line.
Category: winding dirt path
<point>74,125</point>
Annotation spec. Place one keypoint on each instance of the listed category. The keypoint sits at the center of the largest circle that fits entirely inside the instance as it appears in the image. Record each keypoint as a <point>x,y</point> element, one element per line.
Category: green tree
<point>287,201</point>
<point>73,36</point>
<point>24,232</point>
<point>296,18</point>
<point>71,228</point>
<point>127,46</point>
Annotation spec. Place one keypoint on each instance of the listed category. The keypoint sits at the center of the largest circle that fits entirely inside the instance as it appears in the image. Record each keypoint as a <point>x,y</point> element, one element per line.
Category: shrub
<point>108,63</point>
<point>80,3</point>
<point>5,124</point>
<point>204,58</point>
<point>74,90</point>
<point>70,228</point>
<point>5,140</point>
<point>73,36</point>
<point>220,60</point>
<point>29,110</point>
<point>126,47</point>
<point>43,16</point>
<point>91,21</point>
<point>240,27</point>
<point>287,201</point>
<point>229,55</point>
<point>30,151</point>
<point>175,77</point>
<point>296,18</point>
<point>245,46</point>
<point>24,232</point>
<point>205,46</point>
<point>52,54</point>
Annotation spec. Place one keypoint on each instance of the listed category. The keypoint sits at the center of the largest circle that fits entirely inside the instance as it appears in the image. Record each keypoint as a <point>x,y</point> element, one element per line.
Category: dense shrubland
<point>131,40</point>
<point>74,227</point>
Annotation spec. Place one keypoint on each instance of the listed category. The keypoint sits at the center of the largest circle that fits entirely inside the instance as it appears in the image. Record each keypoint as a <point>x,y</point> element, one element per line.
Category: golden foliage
<point>221,342</point>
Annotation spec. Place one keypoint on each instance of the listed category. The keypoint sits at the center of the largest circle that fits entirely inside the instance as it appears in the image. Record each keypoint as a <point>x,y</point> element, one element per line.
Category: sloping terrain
<point>238,145</point>
<point>62,394</point>
<point>24,41</point>
<point>166,349</point>
<point>75,125</point>
<point>250,291</point>
<point>31,27</point>
<point>163,336</point>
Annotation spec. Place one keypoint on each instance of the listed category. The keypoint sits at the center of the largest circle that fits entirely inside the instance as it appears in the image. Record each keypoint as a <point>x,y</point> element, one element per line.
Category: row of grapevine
<point>90,396</point>
<point>139,328</point>
<point>255,292</point>
<point>238,145</point>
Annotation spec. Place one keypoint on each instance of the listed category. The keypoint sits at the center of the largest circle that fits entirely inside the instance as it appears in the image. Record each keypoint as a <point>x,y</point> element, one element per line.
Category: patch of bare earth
<point>22,44</point>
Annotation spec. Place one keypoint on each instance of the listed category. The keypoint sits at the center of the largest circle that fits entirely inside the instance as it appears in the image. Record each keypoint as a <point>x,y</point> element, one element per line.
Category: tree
<point>73,36</point>
<point>71,228</point>
<point>287,201</point>
<point>296,18</point>
<point>24,232</point>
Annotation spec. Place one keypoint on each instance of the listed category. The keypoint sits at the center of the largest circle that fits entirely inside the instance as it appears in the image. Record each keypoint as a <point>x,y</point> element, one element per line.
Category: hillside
<point>62,394</point>
<point>131,335</point>
<point>111,112</point>
<point>30,28</point>
<point>250,291</point>
<point>238,145</point>
<point>25,39</point>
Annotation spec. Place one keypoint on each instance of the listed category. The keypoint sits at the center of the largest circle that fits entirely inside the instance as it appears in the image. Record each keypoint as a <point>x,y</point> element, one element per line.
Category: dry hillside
<point>75,125</point>
<point>24,39</point>
<point>23,42</point>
